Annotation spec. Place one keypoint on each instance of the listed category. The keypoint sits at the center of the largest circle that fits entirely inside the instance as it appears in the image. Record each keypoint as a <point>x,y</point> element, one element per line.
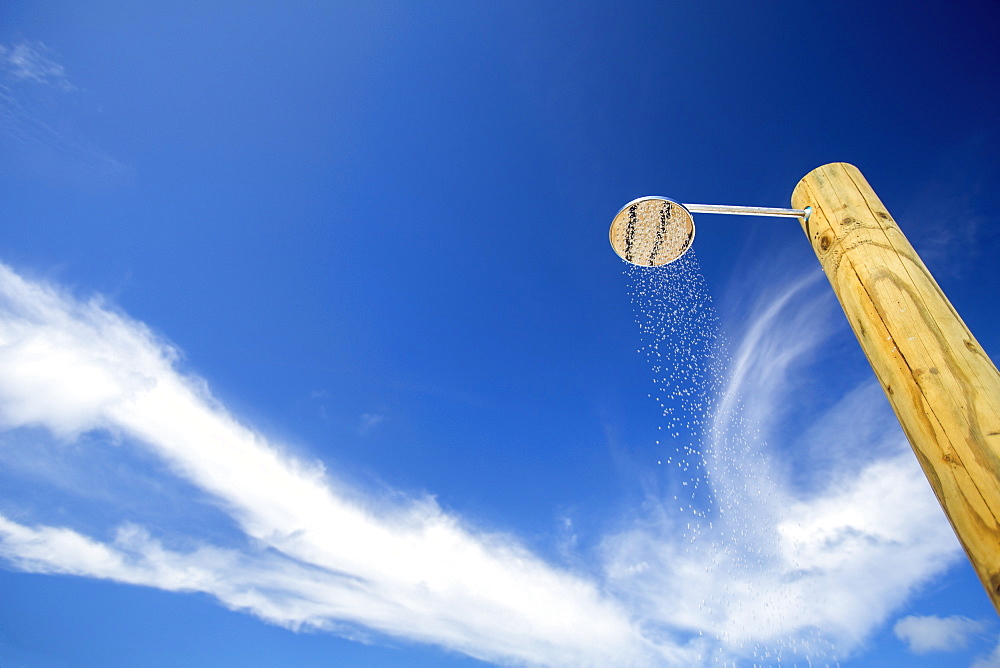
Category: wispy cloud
<point>766,567</point>
<point>801,548</point>
<point>369,421</point>
<point>945,217</point>
<point>992,660</point>
<point>30,61</point>
<point>318,553</point>
<point>37,135</point>
<point>923,634</point>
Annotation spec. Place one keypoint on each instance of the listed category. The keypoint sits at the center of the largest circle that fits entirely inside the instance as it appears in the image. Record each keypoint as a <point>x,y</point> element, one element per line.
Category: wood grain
<point>944,389</point>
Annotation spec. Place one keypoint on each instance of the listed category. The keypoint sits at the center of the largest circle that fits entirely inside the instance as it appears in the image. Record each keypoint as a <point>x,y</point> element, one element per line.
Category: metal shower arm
<point>749,210</point>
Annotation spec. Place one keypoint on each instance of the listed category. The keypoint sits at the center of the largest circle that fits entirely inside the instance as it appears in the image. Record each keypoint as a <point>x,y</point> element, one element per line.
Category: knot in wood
<point>824,243</point>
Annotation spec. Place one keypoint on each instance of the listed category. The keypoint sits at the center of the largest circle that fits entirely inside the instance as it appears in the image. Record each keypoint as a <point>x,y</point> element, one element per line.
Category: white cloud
<point>771,568</point>
<point>29,61</point>
<point>333,557</point>
<point>765,570</point>
<point>38,134</point>
<point>924,634</point>
<point>369,421</point>
<point>992,660</point>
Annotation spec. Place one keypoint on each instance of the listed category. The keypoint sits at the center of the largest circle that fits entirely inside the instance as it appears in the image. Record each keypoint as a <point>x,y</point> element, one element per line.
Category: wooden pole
<point>942,386</point>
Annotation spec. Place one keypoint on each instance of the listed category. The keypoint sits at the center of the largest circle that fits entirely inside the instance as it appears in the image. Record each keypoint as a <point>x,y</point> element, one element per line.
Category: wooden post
<point>942,386</point>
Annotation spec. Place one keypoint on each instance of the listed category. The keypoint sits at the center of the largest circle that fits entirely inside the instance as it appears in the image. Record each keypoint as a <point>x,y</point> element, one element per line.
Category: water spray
<point>941,384</point>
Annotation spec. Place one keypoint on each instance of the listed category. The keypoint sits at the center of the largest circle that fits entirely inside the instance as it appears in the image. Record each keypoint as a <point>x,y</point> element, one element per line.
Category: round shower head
<point>652,231</point>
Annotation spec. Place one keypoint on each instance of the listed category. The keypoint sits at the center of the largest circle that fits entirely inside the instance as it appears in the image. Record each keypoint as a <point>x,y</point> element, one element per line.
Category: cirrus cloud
<point>923,634</point>
<point>765,569</point>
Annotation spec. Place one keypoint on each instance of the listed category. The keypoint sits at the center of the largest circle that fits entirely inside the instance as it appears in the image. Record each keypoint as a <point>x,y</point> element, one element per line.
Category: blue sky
<point>313,349</point>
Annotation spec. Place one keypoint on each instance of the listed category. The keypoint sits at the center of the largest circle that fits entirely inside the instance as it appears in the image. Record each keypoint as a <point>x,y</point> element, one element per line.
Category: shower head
<point>653,231</point>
